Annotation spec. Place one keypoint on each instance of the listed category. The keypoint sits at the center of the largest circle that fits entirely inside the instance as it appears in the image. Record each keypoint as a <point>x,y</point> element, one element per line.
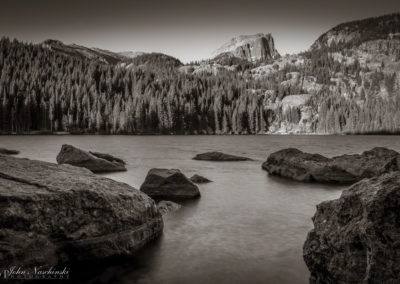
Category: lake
<point>247,227</point>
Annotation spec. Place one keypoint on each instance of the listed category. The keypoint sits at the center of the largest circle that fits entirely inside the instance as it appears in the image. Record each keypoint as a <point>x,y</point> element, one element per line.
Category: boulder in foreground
<point>356,238</point>
<point>8,151</point>
<point>52,214</point>
<point>166,207</point>
<point>199,179</point>
<point>219,157</point>
<point>346,169</point>
<point>96,162</point>
<point>169,184</point>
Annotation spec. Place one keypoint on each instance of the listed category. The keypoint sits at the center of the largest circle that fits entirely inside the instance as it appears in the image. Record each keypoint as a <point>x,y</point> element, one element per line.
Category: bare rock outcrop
<point>250,47</point>
<point>356,238</point>
<point>96,162</point>
<point>52,214</point>
<point>169,184</point>
<point>346,169</point>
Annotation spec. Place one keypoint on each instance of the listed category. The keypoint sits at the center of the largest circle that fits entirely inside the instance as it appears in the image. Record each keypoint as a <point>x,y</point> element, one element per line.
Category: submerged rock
<point>53,214</point>
<point>8,151</point>
<point>169,184</point>
<point>96,162</point>
<point>219,157</point>
<point>165,207</point>
<point>297,165</point>
<point>356,238</point>
<point>199,179</point>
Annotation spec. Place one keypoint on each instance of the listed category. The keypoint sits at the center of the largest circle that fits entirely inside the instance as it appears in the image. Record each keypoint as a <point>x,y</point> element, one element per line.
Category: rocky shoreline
<point>356,238</point>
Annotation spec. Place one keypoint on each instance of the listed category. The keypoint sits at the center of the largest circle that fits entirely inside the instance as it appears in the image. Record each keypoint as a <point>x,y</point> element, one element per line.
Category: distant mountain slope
<point>104,56</point>
<point>131,54</point>
<point>356,32</point>
<point>156,60</point>
<point>257,47</point>
<point>127,58</point>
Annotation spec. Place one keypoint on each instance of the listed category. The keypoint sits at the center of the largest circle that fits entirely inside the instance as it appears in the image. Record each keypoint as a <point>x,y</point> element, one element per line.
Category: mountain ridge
<point>350,87</point>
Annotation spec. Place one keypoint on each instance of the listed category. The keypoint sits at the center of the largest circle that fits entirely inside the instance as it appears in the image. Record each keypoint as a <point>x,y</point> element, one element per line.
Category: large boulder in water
<point>54,214</point>
<point>219,157</point>
<point>8,151</point>
<point>297,165</point>
<point>169,184</point>
<point>96,162</point>
<point>356,238</point>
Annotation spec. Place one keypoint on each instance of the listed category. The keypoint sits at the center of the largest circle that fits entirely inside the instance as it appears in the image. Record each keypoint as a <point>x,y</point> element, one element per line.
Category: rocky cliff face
<point>52,214</point>
<point>257,47</point>
<point>356,238</point>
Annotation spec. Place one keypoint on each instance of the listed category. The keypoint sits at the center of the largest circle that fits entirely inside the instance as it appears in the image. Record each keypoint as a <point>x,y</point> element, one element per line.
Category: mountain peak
<point>251,47</point>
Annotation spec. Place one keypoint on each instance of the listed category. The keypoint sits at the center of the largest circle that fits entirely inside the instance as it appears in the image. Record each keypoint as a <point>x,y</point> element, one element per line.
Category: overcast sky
<point>186,29</point>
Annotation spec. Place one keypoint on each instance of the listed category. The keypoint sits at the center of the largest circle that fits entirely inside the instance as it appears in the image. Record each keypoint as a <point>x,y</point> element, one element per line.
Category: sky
<point>186,29</point>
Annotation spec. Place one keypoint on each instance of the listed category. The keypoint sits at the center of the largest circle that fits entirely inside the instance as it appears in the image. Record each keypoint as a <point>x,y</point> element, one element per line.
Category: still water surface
<point>247,227</point>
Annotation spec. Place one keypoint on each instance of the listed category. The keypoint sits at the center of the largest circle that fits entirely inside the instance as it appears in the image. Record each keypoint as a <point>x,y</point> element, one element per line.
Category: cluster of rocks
<point>356,238</point>
<point>346,169</point>
<point>58,213</point>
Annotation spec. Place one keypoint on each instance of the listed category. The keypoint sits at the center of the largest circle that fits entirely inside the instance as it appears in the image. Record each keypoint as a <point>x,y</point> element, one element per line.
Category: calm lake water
<point>247,227</point>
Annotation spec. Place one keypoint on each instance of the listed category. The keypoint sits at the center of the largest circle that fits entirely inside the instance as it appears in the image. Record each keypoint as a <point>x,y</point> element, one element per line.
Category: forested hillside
<point>41,89</point>
<point>331,89</point>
